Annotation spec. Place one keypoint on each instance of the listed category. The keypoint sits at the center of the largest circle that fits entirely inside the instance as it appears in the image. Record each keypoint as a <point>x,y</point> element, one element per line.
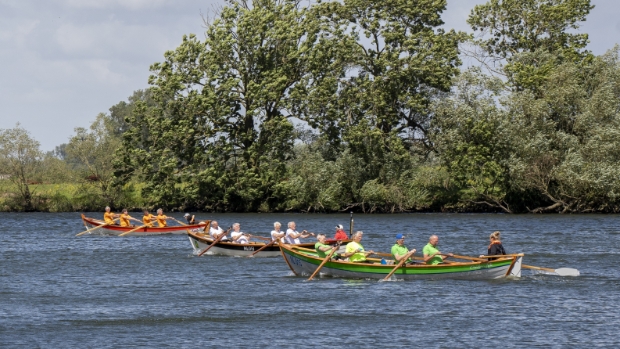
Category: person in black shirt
<point>191,219</point>
<point>495,247</point>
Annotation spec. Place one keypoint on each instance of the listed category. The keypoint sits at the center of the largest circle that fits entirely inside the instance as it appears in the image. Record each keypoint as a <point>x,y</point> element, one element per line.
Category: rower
<point>292,236</point>
<point>191,219</point>
<point>161,219</point>
<point>125,218</point>
<point>322,249</point>
<point>355,251</point>
<point>399,250</point>
<point>239,237</point>
<point>340,233</point>
<point>431,254</point>
<point>216,231</point>
<point>147,219</point>
<point>276,234</point>
<point>109,217</point>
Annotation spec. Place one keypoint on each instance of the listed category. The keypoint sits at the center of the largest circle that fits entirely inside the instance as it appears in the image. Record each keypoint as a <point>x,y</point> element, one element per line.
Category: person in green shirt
<point>355,251</point>
<point>431,254</point>
<point>399,250</point>
<point>323,249</point>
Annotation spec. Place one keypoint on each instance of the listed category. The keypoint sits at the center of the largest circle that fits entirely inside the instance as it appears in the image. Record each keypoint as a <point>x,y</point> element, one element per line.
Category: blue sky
<point>64,61</point>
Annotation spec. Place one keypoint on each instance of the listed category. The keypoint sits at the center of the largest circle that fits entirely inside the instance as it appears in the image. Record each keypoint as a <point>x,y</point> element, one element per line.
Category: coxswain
<point>495,247</point>
<point>340,233</point>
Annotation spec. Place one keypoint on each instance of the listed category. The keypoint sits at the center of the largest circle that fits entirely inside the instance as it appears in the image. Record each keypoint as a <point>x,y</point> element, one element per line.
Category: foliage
<point>20,159</point>
<point>532,36</point>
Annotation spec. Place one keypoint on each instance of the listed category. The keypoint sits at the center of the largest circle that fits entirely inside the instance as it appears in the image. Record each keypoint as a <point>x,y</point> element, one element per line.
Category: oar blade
<point>567,272</point>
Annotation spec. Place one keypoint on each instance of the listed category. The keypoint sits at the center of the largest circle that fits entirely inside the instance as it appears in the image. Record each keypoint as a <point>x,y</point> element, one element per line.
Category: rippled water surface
<point>58,290</point>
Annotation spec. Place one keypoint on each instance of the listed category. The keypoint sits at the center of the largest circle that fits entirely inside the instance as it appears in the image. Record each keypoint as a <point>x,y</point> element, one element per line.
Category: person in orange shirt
<point>161,218</point>
<point>109,217</point>
<point>147,219</point>
<point>125,218</point>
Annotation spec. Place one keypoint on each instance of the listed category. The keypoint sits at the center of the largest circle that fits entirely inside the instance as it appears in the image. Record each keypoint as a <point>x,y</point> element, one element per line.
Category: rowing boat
<point>304,261</point>
<point>199,241</point>
<point>118,230</point>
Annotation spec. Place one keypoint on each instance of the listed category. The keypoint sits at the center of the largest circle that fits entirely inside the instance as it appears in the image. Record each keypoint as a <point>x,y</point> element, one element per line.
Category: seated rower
<point>340,233</point>
<point>125,218</point>
<point>292,236</point>
<point>399,250</point>
<point>109,217</point>
<point>432,255</point>
<point>277,234</point>
<point>323,249</point>
<point>239,237</point>
<point>161,219</point>
<point>147,219</point>
<point>216,231</point>
<point>355,251</point>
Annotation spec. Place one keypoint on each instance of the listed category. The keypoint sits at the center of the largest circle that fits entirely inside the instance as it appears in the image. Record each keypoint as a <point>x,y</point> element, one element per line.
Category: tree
<point>521,32</point>
<point>20,158</point>
<point>219,133</point>
<point>92,152</point>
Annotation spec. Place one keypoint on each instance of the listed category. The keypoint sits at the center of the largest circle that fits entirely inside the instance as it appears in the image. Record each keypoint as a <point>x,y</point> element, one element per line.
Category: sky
<point>64,61</point>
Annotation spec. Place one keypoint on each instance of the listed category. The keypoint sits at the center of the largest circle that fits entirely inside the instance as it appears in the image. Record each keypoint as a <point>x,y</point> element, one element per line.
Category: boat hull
<point>305,263</point>
<point>118,230</point>
<point>200,242</point>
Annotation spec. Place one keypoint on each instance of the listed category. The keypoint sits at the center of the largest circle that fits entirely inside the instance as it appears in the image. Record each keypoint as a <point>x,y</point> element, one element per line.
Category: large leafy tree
<point>516,35</point>
<point>20,159</point>
<point>220,131</point>
<point>399,60</point>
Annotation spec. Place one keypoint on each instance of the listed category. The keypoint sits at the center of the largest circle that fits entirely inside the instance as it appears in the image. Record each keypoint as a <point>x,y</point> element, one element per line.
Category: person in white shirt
<point>292,235</point>
<point>276,234</point>
<point>216,231</point>
<point>239,237</point>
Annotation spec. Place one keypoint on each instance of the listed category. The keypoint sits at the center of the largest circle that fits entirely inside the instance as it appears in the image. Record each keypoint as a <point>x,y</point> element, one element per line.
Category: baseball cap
<point>400,236</point>
<point>339,226</point>
<point>186,215</point>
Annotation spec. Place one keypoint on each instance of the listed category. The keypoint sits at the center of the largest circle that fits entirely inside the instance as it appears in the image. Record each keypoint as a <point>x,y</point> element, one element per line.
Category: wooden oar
<point>400,263</point>
<point>560,271</point>
<point>94,228</point>
<point>262,248</point>
<point>132,230</point>
<point>219,238</point>
<point>178,221</point>
<point>334,249</point>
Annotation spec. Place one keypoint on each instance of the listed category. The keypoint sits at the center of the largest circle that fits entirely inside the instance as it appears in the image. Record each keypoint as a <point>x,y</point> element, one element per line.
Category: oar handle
<point>400,263</point>
<point>334,249</point>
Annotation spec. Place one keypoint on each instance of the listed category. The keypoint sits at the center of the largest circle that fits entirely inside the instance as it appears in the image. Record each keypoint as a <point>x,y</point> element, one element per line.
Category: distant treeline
<point>351,105</point>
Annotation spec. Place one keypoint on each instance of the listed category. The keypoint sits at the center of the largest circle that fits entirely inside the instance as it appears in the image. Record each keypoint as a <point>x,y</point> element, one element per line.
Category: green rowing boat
<point>303,262</point>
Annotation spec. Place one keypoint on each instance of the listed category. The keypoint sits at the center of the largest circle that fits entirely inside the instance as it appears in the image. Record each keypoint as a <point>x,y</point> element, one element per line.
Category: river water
<point>58,290</point>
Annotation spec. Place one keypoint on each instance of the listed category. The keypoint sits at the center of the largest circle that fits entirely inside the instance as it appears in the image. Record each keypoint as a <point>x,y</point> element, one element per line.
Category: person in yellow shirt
<point>147,219</point>
<point>161,218</point>
<point>109,217</point>
<point>125,218</point>
<point>355,251</point>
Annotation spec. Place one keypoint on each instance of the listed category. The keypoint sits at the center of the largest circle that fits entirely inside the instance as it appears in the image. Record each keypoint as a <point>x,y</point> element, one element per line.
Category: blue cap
<point>400,236</point>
